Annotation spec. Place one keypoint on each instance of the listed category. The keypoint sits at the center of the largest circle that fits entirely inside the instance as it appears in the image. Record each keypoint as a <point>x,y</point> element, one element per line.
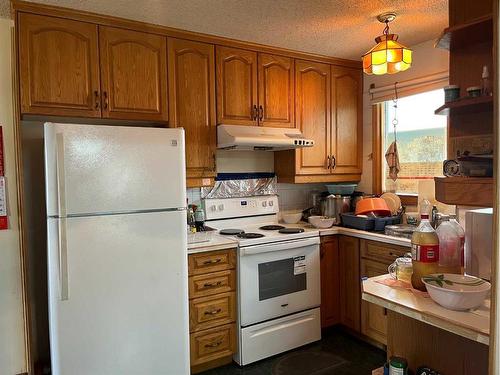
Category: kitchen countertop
<point>474,325</point>
<point>216,242</point>
<point>366,235</point>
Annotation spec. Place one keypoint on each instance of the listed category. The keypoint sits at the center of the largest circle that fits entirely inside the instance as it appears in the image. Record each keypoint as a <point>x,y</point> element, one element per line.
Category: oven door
<point>278,279</point>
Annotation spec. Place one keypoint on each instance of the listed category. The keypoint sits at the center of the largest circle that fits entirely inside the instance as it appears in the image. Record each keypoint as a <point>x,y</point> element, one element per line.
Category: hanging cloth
<point>391,155</point>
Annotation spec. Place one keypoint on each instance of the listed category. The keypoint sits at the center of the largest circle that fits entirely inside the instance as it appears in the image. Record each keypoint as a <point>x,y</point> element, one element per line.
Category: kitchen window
<point>421,140</point>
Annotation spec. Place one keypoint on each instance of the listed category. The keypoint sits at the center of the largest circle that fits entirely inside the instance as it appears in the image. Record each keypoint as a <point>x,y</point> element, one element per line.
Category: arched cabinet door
<point>236,86</point>
<point>276,91</point>
<point>133,75</point>
<point>312,107</point>
<point>58,67</point>
<point>191,80</point>
<point>347,122</point>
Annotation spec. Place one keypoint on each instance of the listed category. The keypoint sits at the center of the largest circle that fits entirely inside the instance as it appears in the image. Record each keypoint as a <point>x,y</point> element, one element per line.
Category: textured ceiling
<point>330,27</point>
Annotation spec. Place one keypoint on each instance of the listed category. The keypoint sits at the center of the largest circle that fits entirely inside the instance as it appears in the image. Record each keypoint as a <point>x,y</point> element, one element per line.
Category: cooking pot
<point>334,205</point>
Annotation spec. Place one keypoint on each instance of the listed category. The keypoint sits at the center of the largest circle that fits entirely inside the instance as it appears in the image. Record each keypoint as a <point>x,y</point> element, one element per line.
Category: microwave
<point>479,242</point>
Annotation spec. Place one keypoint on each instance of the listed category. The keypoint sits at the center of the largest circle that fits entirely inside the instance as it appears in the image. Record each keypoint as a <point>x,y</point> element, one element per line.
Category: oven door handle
<point>286,245</point>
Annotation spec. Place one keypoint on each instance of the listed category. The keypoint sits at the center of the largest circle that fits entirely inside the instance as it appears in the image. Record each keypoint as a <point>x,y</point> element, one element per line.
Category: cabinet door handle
<point>261,113</point>
<point>105,100</point>
<point>212,285</point>
<point>213,345</point>
<point>334,162</point>
<point>255,112</point>
<point>213,312</point>
<point>328,163</point>
<point>214,165</point>
<point>97,97</point>
<point>213,261</point>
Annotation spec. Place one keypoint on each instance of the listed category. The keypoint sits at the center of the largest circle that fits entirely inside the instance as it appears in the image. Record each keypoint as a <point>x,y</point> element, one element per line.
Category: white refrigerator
<point>117,250</point>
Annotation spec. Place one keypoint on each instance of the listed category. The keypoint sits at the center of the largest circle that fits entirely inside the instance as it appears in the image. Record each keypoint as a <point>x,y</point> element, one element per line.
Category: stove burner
<point>231,232</point>
<point>250,235</point>
<point>272,227</point>
<point>291,230</point>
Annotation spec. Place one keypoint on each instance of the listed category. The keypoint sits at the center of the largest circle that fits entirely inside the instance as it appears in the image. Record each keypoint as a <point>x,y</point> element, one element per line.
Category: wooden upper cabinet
<point>347,125</point>
<point>133,75</point>
<point>236,86</point>
<point>58,67</point>
<point>313,111</point>
<point>276,91</point>
<point>191,70</point>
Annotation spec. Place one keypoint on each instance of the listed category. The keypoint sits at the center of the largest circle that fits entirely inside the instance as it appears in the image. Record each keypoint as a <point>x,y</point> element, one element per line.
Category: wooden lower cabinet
<point>212,308</point>
<point>375,259</point>
<point>329,263</point>
<point>350,283</point>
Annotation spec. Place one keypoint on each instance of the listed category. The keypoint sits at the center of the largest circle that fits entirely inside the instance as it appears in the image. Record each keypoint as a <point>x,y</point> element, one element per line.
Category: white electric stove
<point>278,276</point>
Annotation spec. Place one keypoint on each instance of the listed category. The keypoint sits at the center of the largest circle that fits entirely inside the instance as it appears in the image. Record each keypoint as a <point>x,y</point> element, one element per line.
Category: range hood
<point>241,137</point>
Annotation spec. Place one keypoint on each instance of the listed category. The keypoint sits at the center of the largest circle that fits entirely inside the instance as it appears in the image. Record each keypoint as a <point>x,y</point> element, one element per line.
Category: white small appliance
<point>278,276</point>
<point>117,250</point>
<point>479,242</point>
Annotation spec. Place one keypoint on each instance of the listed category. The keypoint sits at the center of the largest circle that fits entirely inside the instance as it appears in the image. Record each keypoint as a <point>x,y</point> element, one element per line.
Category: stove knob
<point>264,204</point>
<point>271,203</point>
<point>213,208</point>
<point>221,207</point>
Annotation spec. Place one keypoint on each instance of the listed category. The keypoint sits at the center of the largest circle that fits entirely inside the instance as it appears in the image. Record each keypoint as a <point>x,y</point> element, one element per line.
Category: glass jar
<point>401,269</point>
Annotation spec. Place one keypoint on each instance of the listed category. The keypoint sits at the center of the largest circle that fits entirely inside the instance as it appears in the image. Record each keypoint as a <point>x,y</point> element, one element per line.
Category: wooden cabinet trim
<point>381,252</point>
<point>212,283</point>
<point>212,344</point>
<point>212,311</point>
<point>213,261</point>
<point>20,6</point>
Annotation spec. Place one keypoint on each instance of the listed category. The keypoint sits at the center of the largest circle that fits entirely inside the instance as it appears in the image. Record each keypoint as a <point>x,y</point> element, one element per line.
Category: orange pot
<point>376,205</point>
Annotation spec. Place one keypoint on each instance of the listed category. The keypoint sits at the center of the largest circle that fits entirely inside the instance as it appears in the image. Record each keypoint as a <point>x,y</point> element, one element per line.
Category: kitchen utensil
<point>291,217</point>
<point>334,205</point>
<point>375,205</point>
<point>341,189</point>
<point>321,222</point>
<point>456,292</point>
<point>401,269</point>
<point>393,202</point>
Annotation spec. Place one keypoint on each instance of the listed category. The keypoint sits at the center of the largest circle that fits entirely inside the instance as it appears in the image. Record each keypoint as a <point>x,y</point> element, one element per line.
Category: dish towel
<point>392,158</point>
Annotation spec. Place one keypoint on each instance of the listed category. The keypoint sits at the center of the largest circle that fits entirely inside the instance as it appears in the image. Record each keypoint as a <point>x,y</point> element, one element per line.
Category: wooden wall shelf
<point>465,191</point>
<point>466,105</point>
<point>479,30</point>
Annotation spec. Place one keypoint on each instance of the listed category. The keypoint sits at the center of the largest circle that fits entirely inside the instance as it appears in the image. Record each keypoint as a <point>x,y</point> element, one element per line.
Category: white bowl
<point>321,222</point>
<point>291,217</point>
<point>456,292</point>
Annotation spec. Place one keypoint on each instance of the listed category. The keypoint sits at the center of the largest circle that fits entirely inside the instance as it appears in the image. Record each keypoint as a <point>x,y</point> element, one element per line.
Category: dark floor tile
<point>338,353</point>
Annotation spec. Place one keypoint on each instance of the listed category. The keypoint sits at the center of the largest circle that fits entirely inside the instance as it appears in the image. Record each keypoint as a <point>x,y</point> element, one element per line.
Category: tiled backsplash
<point>291,196</point>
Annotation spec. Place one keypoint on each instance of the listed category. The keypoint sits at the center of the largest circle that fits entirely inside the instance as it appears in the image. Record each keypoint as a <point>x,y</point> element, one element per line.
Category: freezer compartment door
<point>101,169</point>
<point>118,294</point>
<point>277,336</point>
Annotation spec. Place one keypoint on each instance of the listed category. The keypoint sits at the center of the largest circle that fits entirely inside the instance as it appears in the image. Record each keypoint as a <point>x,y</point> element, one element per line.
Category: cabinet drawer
<point>212,344</point>
<point>208,312</point>
<point>211,262</point>
<point>212,283</point>
<point>382,252</point>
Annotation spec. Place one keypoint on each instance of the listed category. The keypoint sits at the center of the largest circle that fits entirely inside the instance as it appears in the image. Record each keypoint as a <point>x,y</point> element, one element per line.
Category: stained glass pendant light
<point>388,56</point>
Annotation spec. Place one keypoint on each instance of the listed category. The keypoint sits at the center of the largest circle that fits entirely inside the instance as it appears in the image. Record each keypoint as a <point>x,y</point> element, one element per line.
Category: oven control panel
<point>241,207</point>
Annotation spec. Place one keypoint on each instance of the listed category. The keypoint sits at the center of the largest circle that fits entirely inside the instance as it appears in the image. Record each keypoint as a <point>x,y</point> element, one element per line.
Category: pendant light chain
<point>395,105</point>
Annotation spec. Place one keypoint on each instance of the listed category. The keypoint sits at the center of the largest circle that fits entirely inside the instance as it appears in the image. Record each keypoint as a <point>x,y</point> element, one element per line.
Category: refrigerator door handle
<point>61,182</point>
<point>63,260</point>
<point>61,201</point>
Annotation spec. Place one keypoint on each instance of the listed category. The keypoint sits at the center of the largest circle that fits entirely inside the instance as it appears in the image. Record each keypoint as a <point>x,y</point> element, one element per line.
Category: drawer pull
<point>213,312</point>
<point>213,345</point>
<point>213,261</point>
<point>212,285</point>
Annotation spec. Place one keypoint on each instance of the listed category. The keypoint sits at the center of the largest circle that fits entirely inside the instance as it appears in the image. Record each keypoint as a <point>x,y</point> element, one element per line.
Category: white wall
<point>12,339</point>
<point>426,60</point>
